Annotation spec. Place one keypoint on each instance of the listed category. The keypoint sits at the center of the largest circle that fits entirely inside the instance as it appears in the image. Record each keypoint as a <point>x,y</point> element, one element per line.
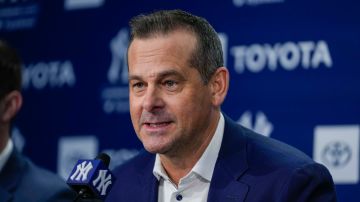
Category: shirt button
<point>179,197</point>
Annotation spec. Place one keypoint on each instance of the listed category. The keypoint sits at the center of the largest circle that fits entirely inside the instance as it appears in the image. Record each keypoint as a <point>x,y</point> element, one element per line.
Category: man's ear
<point>11,104</point>
<point>219,85</point>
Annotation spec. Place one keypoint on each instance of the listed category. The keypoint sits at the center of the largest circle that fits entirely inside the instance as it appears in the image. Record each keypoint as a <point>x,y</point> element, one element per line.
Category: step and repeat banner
<point>294,69</point>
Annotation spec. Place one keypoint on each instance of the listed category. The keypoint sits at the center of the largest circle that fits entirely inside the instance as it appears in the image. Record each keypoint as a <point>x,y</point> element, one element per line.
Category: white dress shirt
<point>5,154</point>
<point>193,187</point>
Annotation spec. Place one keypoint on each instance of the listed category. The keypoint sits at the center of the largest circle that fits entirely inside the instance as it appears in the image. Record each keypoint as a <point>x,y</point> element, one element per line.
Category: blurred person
<point>20,179</point>
<point>193,151</point>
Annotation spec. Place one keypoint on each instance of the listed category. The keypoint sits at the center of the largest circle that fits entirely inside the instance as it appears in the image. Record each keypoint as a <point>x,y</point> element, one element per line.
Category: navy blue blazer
<point>250,167</point>
<point>21,180</point>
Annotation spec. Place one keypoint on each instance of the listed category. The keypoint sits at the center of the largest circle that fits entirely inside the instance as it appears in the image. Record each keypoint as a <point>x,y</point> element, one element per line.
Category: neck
<point>178,166</point>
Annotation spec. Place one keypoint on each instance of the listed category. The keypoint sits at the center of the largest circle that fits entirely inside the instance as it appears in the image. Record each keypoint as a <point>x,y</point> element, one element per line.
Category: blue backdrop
<point>294,67</point>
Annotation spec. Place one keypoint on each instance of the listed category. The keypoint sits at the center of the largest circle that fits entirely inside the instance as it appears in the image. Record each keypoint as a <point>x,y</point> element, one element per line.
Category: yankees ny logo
<point>82,171</point>
<point>118,68</point>
<point>102,181</point>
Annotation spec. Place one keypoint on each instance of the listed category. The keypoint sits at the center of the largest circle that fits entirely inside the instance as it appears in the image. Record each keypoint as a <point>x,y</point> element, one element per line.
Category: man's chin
<point>155,149</point>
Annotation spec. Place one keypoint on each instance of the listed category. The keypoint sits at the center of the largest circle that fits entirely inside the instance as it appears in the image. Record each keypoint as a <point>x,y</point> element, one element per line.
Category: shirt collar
<point>206,164</point>
<point>158,170</point>
<point>5,154</point>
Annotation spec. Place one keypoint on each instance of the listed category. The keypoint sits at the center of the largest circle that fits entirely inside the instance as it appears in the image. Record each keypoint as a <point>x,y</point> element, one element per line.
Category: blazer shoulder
<point>276,170</point>
<point>39,184</point>
<point>262,150</point>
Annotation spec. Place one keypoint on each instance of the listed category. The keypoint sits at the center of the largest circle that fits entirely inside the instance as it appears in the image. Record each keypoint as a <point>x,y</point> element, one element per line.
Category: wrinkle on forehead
<point>156,54</point>
<point>149,57</point>
<point>171,44</point>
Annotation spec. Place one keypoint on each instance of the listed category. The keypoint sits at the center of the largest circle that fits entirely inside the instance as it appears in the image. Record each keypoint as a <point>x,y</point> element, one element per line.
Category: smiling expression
<point>170,106</point>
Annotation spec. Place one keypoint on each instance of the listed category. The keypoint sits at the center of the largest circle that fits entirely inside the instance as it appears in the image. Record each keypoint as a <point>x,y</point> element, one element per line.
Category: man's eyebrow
<point>160,75</point>
<point>134,77</point>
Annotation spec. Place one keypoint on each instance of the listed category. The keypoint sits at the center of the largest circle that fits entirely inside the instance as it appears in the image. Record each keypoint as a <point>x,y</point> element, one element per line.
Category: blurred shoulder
<point>39,184</point>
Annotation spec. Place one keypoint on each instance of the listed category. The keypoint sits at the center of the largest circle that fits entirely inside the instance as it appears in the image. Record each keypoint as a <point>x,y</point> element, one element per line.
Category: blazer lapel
<point>224,187</point>
<point>230,166</point>
<point>148,181</point>
<point>153,190</point>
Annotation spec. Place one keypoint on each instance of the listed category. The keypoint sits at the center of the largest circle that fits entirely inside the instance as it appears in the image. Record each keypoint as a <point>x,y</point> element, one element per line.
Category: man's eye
<point>138,85</point>
<point>170,85</point>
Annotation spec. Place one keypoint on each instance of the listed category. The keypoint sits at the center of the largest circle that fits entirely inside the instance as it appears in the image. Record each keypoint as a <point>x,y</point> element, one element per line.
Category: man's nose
<point>153,99</point>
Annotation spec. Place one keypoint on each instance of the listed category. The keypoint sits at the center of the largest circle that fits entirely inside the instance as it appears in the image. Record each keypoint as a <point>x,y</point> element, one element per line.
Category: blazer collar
<point>230,166</point>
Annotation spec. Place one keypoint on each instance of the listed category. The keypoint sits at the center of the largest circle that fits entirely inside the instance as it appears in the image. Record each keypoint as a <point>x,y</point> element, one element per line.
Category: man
<point>193,152</point>
<point>20,179</point>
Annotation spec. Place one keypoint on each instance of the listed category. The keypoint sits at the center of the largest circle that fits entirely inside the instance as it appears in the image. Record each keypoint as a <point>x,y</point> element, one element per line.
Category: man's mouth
<point>158,124</point>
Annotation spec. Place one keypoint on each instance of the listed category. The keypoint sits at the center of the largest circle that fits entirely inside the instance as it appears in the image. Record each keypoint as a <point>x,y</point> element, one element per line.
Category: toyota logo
<point>336,154</point>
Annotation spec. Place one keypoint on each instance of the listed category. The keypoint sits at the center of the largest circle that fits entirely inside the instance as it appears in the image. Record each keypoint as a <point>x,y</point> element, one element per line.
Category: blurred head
<point>10,87</point>
<point>10,70</point>
<point>176,79</point>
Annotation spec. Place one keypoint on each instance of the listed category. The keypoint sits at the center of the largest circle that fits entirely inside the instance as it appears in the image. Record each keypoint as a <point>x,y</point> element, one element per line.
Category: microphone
<point>91,179</point>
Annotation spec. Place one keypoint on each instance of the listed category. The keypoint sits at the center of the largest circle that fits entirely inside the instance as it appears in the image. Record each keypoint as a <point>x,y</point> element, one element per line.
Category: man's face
<point>170,106</point>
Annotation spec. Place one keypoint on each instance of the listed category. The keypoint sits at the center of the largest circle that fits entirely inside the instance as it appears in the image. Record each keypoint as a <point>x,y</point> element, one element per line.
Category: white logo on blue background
<point>115,95</point>
<point>18,14</point>
<point>240,3</point>
<point>102,182</point>
<point>82,4</point>
<point>337,147</point>
<point>118,67</point>
<point>288,56</point>
<point>53,74</point>
<point>82,171</point>
<point>336,154</point>
<point>261,123</point>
